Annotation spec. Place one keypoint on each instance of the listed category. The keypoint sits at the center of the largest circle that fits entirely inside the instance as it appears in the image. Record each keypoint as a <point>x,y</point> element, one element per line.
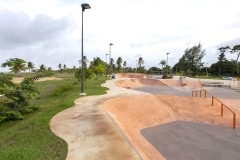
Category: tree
<point>124,65</point>
<point>30,66</point>
<point>96,62</point>
<point>119,64</point>
<point>64,67</point>
<point>163,63</point>
<point>112,66</point>
<point>221,59</point>
<point>60,66</point>
<point>42,68</point>
<point>16,98</point>
<point>236,49</point>
<point>16,65</point>
<point>191,61</point>
<point>85,61</point>
<point>227,68</point>
<point>99,69</point>
<point>140,62</point>
<point>154,70</point>
<point>49,69</point>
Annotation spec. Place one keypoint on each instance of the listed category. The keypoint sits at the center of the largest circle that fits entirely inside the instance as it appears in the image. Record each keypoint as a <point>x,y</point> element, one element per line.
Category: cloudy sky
<point>49,31</point>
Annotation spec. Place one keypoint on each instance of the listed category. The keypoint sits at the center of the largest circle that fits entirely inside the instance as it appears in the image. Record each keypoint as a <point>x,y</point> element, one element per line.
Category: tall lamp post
<point>106,65</point>
<point>110,52</point>
<point>167,57</point>
<point>106,58</point>
<point>110,58</point>
<point>84,6</point>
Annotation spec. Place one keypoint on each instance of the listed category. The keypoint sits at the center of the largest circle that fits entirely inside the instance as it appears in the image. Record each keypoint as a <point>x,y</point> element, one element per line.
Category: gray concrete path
<point>89,131</point>
<point>182,140</point>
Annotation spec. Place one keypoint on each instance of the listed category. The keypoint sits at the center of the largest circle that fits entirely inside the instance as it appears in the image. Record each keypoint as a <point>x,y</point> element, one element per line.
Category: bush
<point>13,115</point>
<point>29,109</point>
<point>167,76</point>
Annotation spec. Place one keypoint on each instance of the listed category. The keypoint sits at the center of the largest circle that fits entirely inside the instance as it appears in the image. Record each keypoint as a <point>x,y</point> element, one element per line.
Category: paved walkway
<point>89,131</point>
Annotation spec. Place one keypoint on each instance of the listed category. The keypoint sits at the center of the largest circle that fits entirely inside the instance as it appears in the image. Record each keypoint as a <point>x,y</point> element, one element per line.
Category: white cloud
<point>147,28</point>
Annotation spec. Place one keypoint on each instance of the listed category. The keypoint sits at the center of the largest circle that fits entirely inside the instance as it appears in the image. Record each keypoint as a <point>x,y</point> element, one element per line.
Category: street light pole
<point>106,58</point>
<point>84,6</point>
<point>110,52</point>
<point>110,58</point>
<point>167,57</point>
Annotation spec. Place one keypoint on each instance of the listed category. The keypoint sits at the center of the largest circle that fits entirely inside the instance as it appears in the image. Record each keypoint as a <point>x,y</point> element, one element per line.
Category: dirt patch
<point>19,79</point>
<point>135,113</point>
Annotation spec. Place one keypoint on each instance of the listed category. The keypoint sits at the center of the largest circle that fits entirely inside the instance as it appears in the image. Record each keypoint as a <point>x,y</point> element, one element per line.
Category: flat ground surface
<point>226,93</point>
<point>181,140</point>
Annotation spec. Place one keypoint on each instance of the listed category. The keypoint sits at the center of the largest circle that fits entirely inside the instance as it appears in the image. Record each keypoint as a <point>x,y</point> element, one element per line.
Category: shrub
<point>167,76</point>
<point>13,115</point>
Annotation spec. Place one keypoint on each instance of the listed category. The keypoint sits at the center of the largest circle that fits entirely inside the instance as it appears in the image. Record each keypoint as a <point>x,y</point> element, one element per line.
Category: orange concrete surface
<point>131,75</point>
<point>140,80</point>
<point>190,82</point>
<point>134,113</point>
<point>136,83</point>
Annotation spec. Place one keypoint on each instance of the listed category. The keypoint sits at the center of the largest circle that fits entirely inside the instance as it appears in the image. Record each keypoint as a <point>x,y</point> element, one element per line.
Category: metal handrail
<point>222,105</point>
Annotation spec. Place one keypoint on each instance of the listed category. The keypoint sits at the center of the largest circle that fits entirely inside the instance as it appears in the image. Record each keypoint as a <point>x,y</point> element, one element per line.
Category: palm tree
<point>60,66</point>
<point>15,65</point>
<point>119,63</point>
<point>124,64</point>
<point>163,63</point>
<point>85,61</point>
<point>236,49</point>
<point>64,66</point>
<point>30,66</point>
<point>140,62</point>
<point>42,68</point>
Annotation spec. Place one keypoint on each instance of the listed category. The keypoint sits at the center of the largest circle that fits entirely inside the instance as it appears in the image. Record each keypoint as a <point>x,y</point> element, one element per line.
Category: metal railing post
<point>234,120</point>
<point>221,109</point>
<point>212,100</point>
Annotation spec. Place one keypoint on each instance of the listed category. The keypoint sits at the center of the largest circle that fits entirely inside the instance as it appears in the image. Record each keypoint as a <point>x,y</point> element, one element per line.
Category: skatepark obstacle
<point>214,98</point>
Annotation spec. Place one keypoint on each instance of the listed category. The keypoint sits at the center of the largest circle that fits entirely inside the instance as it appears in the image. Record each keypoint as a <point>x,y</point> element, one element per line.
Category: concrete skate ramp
<point>132,114</point>
<point>131,75</point>
<point>136,83</point>
<point>140,80</point>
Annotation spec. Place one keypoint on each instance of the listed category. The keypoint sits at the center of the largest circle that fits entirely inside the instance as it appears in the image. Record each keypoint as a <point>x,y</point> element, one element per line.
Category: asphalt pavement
<point>182,140</point>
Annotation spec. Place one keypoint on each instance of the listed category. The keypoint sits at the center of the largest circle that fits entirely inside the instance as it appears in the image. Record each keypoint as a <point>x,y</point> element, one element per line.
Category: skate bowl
<point>137,116</point>
<point>140,80</point>
<point>136,83</point>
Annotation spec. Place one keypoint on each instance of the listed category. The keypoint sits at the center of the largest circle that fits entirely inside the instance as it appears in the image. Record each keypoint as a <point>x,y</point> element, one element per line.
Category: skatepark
<point>142,118</point>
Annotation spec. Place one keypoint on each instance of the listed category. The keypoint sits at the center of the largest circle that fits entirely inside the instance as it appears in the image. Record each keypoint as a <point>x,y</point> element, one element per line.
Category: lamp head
<point>85,6</point>
<point>111,44</point>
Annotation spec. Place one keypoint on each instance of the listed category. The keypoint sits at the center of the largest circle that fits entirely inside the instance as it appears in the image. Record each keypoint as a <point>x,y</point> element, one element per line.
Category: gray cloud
<point>17,29</point>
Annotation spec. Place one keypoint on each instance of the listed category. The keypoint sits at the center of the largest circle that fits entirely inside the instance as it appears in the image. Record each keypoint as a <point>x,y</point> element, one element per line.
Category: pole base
<point>82,94</point>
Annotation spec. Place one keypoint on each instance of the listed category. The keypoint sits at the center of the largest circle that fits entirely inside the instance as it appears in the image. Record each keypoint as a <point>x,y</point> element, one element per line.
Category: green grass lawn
<point>32,138</point>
